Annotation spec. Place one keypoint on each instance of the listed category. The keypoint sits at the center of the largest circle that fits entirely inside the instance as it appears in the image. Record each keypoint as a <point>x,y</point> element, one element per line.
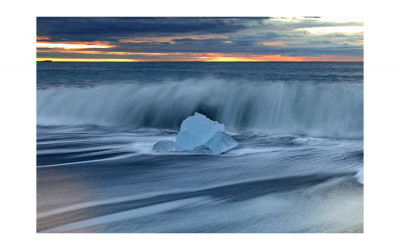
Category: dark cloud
<point>245,35</point>
<point>111,29</point>
<point>217,46</point>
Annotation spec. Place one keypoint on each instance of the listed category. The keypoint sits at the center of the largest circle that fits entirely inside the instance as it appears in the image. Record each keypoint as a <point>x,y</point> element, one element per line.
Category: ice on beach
<point>201,135</point>
<point>164,146</point>
<point>195,131</point>
<point>219,143</point>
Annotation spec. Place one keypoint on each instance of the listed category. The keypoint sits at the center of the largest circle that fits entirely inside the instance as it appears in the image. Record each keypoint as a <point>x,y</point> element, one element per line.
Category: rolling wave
<point>328,110</point>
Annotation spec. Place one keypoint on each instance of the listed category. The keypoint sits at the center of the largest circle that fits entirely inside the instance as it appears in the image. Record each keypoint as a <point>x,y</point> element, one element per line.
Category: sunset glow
<point>85,60</point>
<point>71,46</point>
<point>199,39</point>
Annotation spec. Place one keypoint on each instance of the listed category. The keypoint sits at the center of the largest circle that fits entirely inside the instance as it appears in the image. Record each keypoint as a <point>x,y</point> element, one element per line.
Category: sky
<point>206,39</point>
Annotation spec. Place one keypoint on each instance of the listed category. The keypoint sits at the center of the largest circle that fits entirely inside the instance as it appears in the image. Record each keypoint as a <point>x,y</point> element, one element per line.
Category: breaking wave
<point>329,110</point>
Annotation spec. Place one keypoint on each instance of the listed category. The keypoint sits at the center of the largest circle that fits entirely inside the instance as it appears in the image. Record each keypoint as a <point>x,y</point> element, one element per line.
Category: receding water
<point>297,168</point>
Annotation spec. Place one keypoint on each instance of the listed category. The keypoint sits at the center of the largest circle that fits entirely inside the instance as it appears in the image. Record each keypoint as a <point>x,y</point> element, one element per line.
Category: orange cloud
<point>273,43</point>
<point>85,60</point>
<point>68,51</point>
<point>41,38</point>
<point>278,43</point>
<point>72,45</point>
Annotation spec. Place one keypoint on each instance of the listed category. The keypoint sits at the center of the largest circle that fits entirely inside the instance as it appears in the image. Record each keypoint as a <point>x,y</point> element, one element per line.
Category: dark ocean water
<point>298,166</point>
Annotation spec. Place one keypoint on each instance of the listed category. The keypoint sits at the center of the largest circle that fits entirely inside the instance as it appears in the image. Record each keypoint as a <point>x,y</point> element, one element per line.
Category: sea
<point>297,168</point>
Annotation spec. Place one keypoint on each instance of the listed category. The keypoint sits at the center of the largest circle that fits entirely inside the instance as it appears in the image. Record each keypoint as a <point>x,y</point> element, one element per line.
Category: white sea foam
<point>130,214</point>
<point>88,161</point>
<point>164,146</point>
<point>273,107</point>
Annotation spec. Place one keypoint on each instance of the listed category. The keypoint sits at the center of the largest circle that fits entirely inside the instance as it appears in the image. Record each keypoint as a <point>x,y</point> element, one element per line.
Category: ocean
<point>298,166</point>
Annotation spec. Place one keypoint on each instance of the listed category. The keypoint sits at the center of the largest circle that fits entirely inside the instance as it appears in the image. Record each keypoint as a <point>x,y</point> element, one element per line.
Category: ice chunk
<point>201,135</point>
<point>195,131</point>
<point>219,143</point>
<point>164,146</point>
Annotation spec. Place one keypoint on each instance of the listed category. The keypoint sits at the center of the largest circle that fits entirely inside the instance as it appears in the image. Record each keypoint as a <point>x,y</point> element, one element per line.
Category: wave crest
<point>332,110</point>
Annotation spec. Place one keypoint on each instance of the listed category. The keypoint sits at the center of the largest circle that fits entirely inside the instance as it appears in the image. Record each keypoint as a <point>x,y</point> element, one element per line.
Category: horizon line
<point>185,61</point>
